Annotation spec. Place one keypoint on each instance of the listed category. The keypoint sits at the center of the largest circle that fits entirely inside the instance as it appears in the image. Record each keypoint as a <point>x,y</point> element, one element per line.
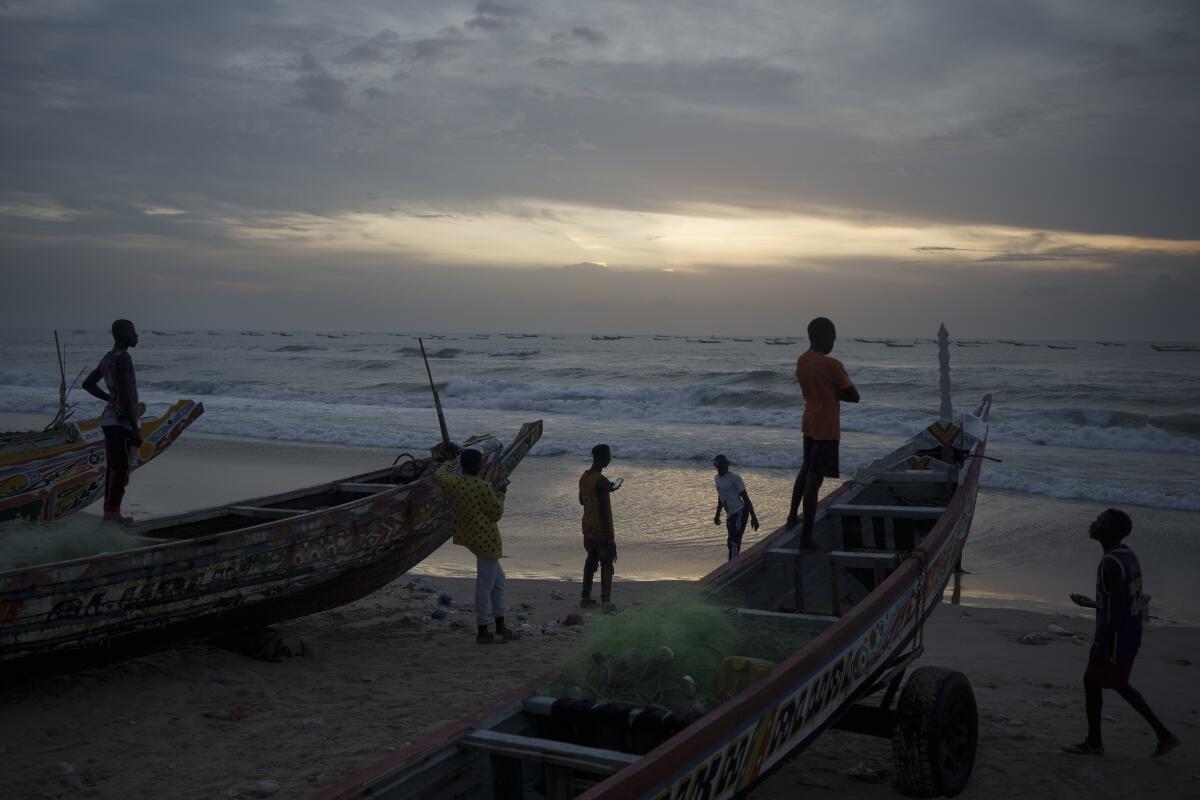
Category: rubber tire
<point>936,733</point>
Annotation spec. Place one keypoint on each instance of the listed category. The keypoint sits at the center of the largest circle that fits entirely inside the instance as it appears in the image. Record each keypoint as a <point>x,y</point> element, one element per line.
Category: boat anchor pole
<point>448,450</point>
<point>61,416</point>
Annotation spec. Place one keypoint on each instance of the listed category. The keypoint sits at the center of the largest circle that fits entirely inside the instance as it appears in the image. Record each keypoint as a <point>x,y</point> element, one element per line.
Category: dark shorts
<point>604,550</point>
<point>1108,675</point>
<point>821,457</point>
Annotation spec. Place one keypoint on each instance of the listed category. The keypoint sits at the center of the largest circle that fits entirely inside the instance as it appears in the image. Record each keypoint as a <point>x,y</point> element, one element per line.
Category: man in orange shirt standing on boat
<point>825,385</point>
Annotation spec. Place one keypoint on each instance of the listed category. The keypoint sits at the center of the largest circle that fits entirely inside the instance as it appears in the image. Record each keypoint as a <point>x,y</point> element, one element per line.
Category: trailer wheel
<point>937,730</point>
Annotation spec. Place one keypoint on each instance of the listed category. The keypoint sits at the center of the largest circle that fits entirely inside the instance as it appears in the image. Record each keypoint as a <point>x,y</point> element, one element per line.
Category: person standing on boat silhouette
<point>598,538</point>
<point>1120,606</point>
<point>825,385</point>
<point>733,497</point>
<point>477,507</point>
<point>120,419</point>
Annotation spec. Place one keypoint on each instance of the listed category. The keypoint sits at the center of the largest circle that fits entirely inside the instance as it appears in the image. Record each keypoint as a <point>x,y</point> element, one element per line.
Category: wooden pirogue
<point>893,536</point>
<point>234,567</point>
<point>47,475</point>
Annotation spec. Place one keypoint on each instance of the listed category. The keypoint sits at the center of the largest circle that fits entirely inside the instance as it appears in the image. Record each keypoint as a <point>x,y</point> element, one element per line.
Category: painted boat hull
<point>732,748</point>
<point>60,617</point>
<point>48,476</point>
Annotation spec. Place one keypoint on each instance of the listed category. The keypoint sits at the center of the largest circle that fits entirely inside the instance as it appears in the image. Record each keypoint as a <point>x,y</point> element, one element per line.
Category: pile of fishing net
<point>669,651</point>
<point>24,544</point>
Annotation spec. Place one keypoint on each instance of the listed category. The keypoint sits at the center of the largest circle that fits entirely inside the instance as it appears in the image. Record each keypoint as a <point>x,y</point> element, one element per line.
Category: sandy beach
<point>203,722</point>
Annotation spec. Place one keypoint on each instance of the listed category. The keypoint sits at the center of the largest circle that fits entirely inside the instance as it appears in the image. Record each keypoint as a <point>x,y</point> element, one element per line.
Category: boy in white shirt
<point>732,496</point>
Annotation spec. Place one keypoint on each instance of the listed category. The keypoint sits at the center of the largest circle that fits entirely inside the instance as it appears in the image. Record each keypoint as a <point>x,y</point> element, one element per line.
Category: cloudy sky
<point>1026,167</point>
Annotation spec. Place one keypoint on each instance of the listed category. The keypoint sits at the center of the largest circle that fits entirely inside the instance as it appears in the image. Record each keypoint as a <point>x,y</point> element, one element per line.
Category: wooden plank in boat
<point>824,620</point>
<point>911,512</point>
<point>588,759</point>
<point>913,476</point>
<point>267,513</point>
<point>538,704</point>
<point>364,488</point>
<point>868,557</point>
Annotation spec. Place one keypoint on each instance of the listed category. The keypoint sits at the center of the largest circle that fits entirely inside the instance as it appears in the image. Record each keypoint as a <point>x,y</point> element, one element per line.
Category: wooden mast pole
<point>446,447</point>
<point>947,409</point>
<point>61,416</point>
<point>946,412</point>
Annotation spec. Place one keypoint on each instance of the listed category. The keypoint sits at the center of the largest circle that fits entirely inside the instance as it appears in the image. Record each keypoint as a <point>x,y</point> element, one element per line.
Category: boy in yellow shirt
<point>477,508</point>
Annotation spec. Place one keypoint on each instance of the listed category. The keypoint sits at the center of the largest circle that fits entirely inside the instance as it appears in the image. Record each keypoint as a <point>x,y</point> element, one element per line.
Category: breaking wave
<point>514,353</point>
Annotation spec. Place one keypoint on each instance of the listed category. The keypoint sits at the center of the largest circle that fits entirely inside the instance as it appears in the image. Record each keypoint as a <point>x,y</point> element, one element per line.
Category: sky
<point>1024,168</point>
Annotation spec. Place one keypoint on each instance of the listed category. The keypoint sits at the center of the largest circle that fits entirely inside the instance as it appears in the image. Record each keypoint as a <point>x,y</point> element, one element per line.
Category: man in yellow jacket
<point>477,508</point>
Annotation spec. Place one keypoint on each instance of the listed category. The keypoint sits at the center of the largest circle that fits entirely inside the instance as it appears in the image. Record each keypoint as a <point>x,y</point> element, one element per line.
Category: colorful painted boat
<point>234,567</point>
<point>894,535</point>
<point>46,476</point>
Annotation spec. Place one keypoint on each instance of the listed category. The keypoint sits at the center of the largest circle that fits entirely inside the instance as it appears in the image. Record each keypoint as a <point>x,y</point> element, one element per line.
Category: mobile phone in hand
<point>617,483</point>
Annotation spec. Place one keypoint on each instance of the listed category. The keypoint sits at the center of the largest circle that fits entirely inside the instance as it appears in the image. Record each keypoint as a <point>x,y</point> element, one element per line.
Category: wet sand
<point>1026,551</point>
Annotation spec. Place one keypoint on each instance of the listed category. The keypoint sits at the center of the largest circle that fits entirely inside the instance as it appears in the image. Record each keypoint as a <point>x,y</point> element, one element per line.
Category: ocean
<point>1075,430</point>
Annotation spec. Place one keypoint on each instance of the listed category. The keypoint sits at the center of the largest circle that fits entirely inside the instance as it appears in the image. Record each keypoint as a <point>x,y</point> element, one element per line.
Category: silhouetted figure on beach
<point>1120,606</point>
<point>121,416</point>
<point>598,540</point>
<point>733,497</point>
<point>825,385</point>
<point>477,509</point>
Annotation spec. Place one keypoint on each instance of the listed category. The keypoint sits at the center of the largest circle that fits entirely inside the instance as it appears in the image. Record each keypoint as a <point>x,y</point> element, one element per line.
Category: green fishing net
<point>667,651</point>
<point>26,544</point>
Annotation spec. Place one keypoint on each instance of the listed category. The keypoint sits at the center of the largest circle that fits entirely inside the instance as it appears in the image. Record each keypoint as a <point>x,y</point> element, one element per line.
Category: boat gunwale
<point>14,459</point>
<point>368,560</point>
<point>214,512</point>
<point>696,742</point>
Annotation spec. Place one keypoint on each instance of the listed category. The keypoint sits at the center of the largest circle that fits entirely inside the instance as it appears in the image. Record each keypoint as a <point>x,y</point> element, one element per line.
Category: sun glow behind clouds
<point>524,234</point>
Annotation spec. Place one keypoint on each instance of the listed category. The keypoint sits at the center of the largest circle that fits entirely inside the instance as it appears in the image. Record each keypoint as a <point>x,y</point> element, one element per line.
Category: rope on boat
<point>919,555</point>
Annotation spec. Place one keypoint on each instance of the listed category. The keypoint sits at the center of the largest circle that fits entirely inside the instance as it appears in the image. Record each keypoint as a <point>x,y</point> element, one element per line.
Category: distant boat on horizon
<point>1061,347</point>
<point>1111,344</point>
<point>1174,348</point>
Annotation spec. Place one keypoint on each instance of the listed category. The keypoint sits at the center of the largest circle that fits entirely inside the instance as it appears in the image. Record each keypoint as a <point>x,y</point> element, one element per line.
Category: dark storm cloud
<point>492,16</point>
<point>319,90</point>
<point>550,62</point>
<point>378,49</point>
<point>581,33</point>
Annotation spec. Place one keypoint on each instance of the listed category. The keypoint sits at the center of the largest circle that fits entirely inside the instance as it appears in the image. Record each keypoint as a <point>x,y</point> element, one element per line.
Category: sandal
<point>1165,746</point>
<point>489,638</point>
